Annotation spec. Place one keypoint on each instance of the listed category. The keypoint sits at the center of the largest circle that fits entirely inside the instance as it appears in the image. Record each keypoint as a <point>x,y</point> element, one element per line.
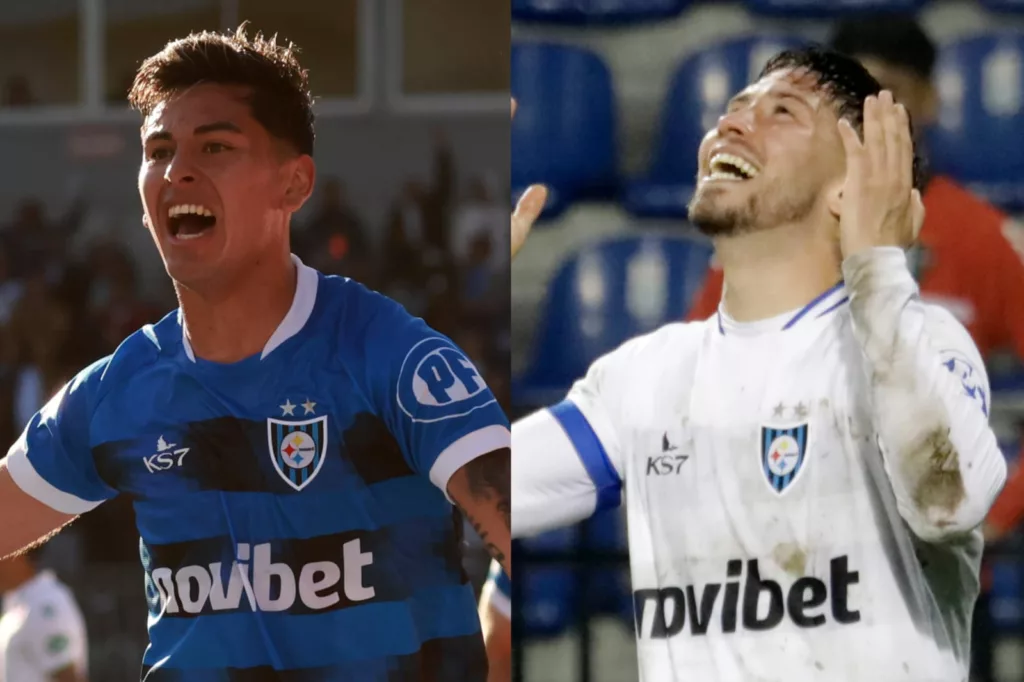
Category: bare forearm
<point>24,521</point>
<point>481,489</point>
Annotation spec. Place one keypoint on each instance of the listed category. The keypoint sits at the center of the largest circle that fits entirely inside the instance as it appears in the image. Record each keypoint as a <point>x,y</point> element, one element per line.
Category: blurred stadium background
<point>614,96</point>
<point>412,152</point>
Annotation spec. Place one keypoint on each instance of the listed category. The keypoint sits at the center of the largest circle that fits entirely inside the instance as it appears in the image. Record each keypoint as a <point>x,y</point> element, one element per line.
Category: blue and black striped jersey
<point>291,506</point>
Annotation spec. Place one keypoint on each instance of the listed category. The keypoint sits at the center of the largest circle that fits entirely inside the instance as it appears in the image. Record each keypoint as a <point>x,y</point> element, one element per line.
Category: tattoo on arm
<point>492,548</point>
<point>489,479</point>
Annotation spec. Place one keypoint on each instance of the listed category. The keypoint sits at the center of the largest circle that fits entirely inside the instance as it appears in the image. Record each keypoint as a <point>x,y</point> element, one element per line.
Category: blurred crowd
<point>442,253</point>
<point>58,311</point>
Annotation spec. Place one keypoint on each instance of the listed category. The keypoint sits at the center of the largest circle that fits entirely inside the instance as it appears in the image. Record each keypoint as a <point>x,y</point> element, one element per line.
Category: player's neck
<point>770,272</point>
<point>236,321</point>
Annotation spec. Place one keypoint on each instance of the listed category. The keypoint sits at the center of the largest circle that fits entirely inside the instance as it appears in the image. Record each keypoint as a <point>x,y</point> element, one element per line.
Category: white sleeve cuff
<point>28,479</point>
<point>465,450</point>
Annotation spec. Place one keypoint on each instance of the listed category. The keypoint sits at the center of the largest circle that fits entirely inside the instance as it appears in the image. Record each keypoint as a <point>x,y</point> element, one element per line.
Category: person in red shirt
<point>969,256</point>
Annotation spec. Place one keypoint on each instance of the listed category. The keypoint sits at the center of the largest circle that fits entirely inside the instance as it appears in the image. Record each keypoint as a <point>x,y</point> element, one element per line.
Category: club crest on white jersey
<point>783,451</point>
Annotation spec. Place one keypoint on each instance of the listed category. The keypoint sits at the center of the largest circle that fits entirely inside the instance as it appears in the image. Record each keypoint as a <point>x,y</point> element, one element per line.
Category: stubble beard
<point>713,216</point>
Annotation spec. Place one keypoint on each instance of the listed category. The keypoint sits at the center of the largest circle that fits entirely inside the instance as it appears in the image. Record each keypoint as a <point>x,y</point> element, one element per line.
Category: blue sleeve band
<point>591,453</point>
<point>503,584</point>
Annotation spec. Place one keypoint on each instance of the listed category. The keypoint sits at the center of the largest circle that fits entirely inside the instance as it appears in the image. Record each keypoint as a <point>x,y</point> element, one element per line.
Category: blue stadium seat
<point>700,89</point>
<point>548,593</point>
<point>1006,596</point>
<point>564,132</point>
<point>1010,382</point>
<point>817,9</point>
<point>609,591</point>
<point>1003,5</point>
<point>981,128</point>
<point>603,295</point>
<point>1010,444</point>
<point>596,11</point>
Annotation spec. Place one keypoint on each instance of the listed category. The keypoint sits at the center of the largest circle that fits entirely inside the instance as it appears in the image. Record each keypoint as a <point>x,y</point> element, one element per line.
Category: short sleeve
<point>52,459</point>
<point>567,461</point>
<point>431,395</point>
<point>591,414</point>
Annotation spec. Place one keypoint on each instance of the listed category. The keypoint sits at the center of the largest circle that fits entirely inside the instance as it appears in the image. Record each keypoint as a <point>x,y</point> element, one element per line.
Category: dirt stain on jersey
<point>929,461</point>
<point>940,488</point>
<point>791,557</point>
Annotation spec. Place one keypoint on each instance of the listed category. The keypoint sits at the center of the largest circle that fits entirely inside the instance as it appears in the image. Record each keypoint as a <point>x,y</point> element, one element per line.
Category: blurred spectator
<point>115,308</point>
<point>18,92</point>
<point>481,212</point>
<point>484,285</point>
<point>42,631</point>
<point>900,55</point>
<point>416,236</point>
<point>333,240</point>
<point>41,327</point>
<point>35,242</point>
<point>435,202</point>
<point>10,287</point>
<point>405,244</point>
<point>10,428</point>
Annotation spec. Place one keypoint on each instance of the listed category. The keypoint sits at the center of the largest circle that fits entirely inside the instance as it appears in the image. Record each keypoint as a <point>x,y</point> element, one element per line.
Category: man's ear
<point>301,178</point>
<point>834,196</point>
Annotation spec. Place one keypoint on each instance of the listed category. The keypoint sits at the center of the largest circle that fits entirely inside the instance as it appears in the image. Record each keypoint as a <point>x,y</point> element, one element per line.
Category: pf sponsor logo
<point>438,382</point>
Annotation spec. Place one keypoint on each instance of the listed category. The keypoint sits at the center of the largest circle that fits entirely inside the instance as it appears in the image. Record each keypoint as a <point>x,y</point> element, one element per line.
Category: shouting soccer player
<point>805,472</point>
<point>290,441</point>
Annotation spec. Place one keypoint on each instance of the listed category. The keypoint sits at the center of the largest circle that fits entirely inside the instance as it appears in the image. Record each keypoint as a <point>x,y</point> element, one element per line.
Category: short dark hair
<point>844,80</point>
<point>279,86</point>
<point>894,38</point>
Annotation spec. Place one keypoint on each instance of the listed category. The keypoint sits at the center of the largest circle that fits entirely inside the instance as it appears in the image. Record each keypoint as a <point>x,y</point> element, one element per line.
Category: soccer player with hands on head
<point>833,458</point>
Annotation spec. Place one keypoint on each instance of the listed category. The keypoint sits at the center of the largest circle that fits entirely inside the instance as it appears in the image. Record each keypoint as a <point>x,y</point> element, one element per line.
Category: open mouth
<point>189,221</point>
<point>731,167</point>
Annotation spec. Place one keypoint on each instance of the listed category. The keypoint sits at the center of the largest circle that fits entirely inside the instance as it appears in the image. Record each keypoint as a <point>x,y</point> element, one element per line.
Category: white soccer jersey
<point>803,493</point>
<point>41,631</point>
